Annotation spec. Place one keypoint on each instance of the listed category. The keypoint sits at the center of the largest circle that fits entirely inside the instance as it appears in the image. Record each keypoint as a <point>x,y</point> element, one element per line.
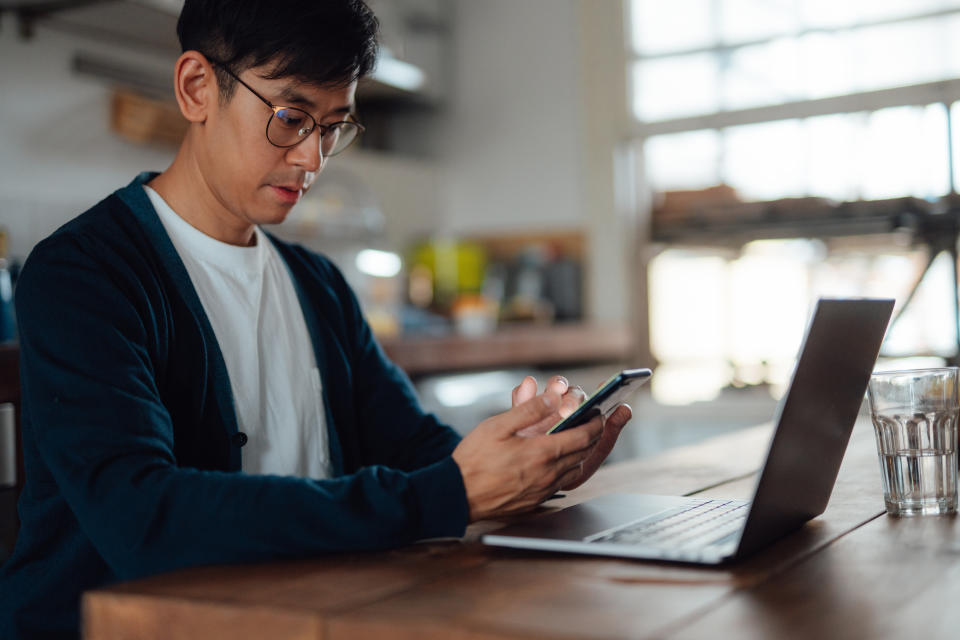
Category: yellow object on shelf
<point>455,268</point>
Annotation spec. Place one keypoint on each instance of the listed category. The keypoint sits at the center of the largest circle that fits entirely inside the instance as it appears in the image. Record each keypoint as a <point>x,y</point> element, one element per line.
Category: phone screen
<point>604,400</point>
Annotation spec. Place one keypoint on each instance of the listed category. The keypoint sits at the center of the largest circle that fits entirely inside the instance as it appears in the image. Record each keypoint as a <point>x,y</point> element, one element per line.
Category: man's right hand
<point>504,474</point>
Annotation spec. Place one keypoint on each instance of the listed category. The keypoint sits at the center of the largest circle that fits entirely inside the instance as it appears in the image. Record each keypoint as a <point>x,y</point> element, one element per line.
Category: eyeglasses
<point>289,126</point>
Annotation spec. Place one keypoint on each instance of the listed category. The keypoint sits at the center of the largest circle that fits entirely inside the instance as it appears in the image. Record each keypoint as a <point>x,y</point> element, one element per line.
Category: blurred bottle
<point>563,286</point>
<point>527,300</point>
<point>8,327</point>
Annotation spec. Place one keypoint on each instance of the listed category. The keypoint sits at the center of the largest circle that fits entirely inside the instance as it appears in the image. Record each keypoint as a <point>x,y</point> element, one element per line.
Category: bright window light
<point>763,74</point>
<point>465,390</point>
<point>676,86</point>
<point>764,161</point>
<point>660,27</point>
<point>743,20</point>
<point>382,264</point>
<point>831,152</point>
<point>955,111</point>
<point>400,74</point>
<point>686,160</point>
<point>904,153</point>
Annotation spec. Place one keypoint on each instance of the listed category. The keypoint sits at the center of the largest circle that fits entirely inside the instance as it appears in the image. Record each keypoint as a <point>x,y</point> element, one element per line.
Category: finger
<point>568,404</point>
<point>572,399</point>
<point>557,384</point>
<point>526,414</point>
<point>538,429</point>
<point>574,460</point>
<point>620,417</point>
<point>547,423</point>
<point>578,392</point>
<point>525,390</point>
<point>576,439</point>
<point>571,477</point>
<point>611,431</point>
<point>569,474</point>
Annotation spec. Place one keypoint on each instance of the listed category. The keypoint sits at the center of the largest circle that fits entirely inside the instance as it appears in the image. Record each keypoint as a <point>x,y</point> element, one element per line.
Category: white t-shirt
<point>249,297</point>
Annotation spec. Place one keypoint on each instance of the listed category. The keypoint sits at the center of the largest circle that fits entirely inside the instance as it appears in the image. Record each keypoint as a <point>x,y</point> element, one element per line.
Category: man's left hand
<point>572,397</point>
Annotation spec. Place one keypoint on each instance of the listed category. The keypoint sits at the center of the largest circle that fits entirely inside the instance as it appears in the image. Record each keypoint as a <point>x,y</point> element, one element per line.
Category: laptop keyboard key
<point>689,527</point>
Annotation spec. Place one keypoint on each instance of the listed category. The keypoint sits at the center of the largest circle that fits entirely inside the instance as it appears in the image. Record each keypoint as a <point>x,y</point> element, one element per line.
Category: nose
<point>307,154</point>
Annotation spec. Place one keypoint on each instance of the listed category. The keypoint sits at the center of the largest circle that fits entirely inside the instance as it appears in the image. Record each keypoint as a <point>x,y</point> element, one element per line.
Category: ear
<point>195,85</point>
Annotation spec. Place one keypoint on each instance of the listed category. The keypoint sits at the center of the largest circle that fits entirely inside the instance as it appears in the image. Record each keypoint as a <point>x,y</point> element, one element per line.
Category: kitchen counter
<point>511,346</point>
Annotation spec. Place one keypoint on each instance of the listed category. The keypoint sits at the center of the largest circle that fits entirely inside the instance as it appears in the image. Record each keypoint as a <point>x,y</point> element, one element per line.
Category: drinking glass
<point>914,415</point>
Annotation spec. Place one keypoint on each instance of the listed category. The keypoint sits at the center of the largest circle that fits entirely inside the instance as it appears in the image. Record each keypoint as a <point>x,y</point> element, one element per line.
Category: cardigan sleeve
<point>399,433</point>
<point>91,402</point>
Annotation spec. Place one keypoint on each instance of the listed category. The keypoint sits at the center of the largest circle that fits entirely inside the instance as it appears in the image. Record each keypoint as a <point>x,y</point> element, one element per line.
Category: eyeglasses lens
<point>339,137</point>
<point>289,125</point>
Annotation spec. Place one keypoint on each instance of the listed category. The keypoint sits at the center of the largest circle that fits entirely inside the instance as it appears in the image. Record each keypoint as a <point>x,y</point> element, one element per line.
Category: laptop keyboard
<point>692,526</point>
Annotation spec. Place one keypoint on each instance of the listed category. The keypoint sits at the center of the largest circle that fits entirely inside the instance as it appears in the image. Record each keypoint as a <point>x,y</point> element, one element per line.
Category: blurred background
<point>565,186</point>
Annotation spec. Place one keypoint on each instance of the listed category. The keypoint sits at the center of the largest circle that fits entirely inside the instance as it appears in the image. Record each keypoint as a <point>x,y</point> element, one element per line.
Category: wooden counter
<point>851,573</point>
<point>513,346</point>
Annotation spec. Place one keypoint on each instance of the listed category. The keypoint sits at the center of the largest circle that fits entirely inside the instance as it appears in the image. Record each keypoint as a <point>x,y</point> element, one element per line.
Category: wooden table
<point>851,573</point>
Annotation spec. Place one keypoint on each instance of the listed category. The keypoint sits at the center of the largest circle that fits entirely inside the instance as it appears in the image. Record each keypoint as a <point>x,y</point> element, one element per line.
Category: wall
<point>57,156</point>
<point>536,115</point>
<point>510,143</point>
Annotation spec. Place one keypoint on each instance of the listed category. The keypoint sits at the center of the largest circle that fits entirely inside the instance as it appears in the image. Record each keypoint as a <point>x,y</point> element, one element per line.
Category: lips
<point>287,193</point>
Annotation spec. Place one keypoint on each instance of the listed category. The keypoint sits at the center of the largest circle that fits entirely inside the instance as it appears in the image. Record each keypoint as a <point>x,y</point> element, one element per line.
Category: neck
<point>185,189</point>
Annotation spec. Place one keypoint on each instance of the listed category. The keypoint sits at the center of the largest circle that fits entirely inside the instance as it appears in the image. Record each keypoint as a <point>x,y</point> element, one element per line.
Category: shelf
<point>513,346</point>
<point>733,224</point>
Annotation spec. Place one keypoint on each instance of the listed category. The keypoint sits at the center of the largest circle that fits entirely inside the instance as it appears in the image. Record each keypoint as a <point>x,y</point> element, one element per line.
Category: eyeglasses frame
<point>324,128</point>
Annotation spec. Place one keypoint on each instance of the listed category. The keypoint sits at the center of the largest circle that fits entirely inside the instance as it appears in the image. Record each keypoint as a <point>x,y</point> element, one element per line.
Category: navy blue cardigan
<point>131,447</point>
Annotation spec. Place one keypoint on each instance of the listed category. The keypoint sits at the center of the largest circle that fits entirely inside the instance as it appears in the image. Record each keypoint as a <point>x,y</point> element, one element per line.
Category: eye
<point>294,119</point>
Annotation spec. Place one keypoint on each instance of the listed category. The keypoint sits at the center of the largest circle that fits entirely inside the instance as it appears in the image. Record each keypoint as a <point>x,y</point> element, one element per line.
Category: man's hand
<point>505,474</point>
<point>572,398</point>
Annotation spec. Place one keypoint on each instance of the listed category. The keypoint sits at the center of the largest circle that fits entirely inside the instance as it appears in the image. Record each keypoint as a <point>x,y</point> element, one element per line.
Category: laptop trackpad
<point>599,514</point>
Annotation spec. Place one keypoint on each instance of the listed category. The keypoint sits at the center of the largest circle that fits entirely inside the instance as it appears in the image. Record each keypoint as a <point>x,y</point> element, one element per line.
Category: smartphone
<point>605,399</point>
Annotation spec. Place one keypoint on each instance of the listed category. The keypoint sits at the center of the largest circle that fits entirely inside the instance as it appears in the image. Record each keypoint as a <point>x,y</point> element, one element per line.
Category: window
<point>719,321</point>
<point>850,100</point>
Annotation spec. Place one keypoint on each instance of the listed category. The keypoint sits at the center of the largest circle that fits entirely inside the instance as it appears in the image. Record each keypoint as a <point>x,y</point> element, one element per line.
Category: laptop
<point>813,425</point>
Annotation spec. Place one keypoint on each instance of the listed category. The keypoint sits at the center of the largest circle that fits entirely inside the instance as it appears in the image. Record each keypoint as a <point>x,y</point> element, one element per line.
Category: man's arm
<point>397,432</point>
<point>93,407</point>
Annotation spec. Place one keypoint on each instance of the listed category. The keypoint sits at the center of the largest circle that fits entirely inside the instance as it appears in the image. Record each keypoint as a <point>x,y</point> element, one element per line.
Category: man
<point>198,392</point>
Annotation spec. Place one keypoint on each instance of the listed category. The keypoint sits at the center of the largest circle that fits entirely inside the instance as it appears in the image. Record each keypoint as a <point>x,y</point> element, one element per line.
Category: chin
<point>277,218</point>
<point>269,213</point>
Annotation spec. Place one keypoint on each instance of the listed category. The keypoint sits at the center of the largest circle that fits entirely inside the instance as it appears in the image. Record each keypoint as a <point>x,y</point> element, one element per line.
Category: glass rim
<point>897,372</point>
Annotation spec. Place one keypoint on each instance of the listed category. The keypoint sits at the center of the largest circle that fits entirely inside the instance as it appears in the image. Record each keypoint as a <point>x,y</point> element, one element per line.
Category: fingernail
<point>565,382</point>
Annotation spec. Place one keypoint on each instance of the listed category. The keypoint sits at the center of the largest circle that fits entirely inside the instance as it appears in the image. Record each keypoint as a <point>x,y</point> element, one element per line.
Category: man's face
<point>255,181</point>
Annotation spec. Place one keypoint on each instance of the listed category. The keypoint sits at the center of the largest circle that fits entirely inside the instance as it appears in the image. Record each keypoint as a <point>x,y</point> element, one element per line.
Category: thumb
<point>527,413</point>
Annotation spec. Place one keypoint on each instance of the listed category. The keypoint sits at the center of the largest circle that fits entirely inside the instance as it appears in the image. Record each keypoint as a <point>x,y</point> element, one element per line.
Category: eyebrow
<point>294,98</point>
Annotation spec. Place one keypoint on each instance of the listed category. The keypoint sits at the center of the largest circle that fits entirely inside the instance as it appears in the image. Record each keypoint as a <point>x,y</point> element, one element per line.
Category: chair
<point>10,392</point>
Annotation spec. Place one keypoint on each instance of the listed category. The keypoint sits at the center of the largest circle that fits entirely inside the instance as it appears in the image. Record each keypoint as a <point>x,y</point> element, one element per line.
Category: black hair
<point>321,42</point>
